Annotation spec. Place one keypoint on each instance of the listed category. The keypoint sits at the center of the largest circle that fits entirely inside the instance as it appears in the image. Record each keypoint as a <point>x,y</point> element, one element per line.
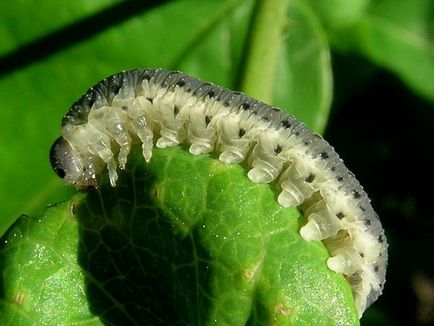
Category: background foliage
<point>382,66</point>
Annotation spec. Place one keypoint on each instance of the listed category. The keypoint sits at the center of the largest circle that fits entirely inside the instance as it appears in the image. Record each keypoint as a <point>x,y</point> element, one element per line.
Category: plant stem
<point>263,46</point>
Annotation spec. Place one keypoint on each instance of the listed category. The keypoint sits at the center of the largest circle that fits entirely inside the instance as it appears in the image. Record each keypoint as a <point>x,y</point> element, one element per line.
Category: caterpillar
<point>167,108</point>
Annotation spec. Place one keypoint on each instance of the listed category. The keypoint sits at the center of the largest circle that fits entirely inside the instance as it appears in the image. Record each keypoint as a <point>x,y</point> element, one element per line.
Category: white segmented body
<point>169,108</point>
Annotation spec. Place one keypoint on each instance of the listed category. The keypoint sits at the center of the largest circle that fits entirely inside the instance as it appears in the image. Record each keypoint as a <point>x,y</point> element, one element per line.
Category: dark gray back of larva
<point>319,149</point>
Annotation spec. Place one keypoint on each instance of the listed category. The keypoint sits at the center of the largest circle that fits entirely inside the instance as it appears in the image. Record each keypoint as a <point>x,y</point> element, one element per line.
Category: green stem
<point>263,46</point>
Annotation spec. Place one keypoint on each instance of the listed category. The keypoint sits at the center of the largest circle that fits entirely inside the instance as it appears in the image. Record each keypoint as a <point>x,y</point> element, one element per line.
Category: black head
<point>66,163</point>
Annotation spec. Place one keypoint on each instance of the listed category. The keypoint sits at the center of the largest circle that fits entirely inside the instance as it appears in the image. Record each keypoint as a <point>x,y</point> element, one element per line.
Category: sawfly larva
<point>166,108</point>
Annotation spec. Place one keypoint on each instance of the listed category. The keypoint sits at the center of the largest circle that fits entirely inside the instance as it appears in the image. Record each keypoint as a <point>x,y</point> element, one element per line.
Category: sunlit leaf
<point>183,240</point>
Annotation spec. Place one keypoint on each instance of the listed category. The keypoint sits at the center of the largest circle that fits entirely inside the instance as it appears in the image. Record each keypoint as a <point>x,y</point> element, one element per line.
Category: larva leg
<point>321,223</point>
<point>168,138</point>
<point>110,122</point>
<point>234,142</point>
<point>344,257</point>
<point>100,145</point>
<point>141,125</point>
<point>171,131</point>
<point>123,139</point>
<point>201,131</point>
<point>290,196</point>
<point>267,158</point>
<point>342,263</point>
<point>296,185</point>
<point>144,132</point>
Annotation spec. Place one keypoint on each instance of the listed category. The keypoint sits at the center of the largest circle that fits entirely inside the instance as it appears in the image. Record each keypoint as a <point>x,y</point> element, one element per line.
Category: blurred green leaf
<point>339,13</point>
<point>24,21</point>
<point>303,84</point>
<point>183,240</point>
<point>397,35</point>
<point>203,38</point>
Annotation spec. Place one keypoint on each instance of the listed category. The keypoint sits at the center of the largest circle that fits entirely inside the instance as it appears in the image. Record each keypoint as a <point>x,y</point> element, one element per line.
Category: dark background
<point>383,132</point>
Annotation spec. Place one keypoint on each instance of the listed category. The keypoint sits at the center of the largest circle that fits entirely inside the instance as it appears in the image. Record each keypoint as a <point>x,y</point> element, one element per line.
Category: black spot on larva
<point>74,209</point>
<point>367,222</point>
<point>278,149</point>
<point>210,94</point>
<point>207,119</point>
<point>361,254</point>
<point>175,110</point>
<point>124,108</point>
<point>245,106</point>
<point>324,155</point>
<point>227,103</point>
<point>285,124</point>
<point>376,268</point>
<point>340,215</point>
<point>297,133</point>
<point>339,178</point>
<point>146,77</point>
<point>241,132</point>
<point>60,172</point>
<point>363,209</point>
<point>310,178</point>
<point>380,239</point>
<point>180,83</point>
<point>306,143</point>
<point>150,99</point>
<point>197,91</point>
<point>333,168</point>
<point>356,194</point>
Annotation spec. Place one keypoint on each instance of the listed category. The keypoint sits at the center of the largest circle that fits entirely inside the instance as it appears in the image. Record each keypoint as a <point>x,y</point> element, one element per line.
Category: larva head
<point>68,165</point>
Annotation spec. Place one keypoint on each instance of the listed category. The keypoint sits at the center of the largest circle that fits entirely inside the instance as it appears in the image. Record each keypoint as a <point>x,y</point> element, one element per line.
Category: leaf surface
<point>183,240</point>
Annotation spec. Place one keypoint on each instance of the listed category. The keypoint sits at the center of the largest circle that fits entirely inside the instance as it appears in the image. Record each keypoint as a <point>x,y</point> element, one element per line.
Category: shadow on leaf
<point>137,271</point>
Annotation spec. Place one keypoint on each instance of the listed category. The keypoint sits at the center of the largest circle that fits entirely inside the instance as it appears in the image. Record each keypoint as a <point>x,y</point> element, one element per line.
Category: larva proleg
<point>161,108</point>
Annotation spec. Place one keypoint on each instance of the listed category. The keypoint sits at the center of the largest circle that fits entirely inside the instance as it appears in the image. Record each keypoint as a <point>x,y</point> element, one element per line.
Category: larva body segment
<point>165,108</point>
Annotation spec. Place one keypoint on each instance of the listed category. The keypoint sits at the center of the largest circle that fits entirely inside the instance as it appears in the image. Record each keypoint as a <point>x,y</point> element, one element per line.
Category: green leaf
<point>42,283</point>
<point>263,45</point>
<point>296,73</point>
<point>182,240</point>
<point>303,84</point>
<point>398,35</point>
<point>19,19</point>
<point>339,13</point>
